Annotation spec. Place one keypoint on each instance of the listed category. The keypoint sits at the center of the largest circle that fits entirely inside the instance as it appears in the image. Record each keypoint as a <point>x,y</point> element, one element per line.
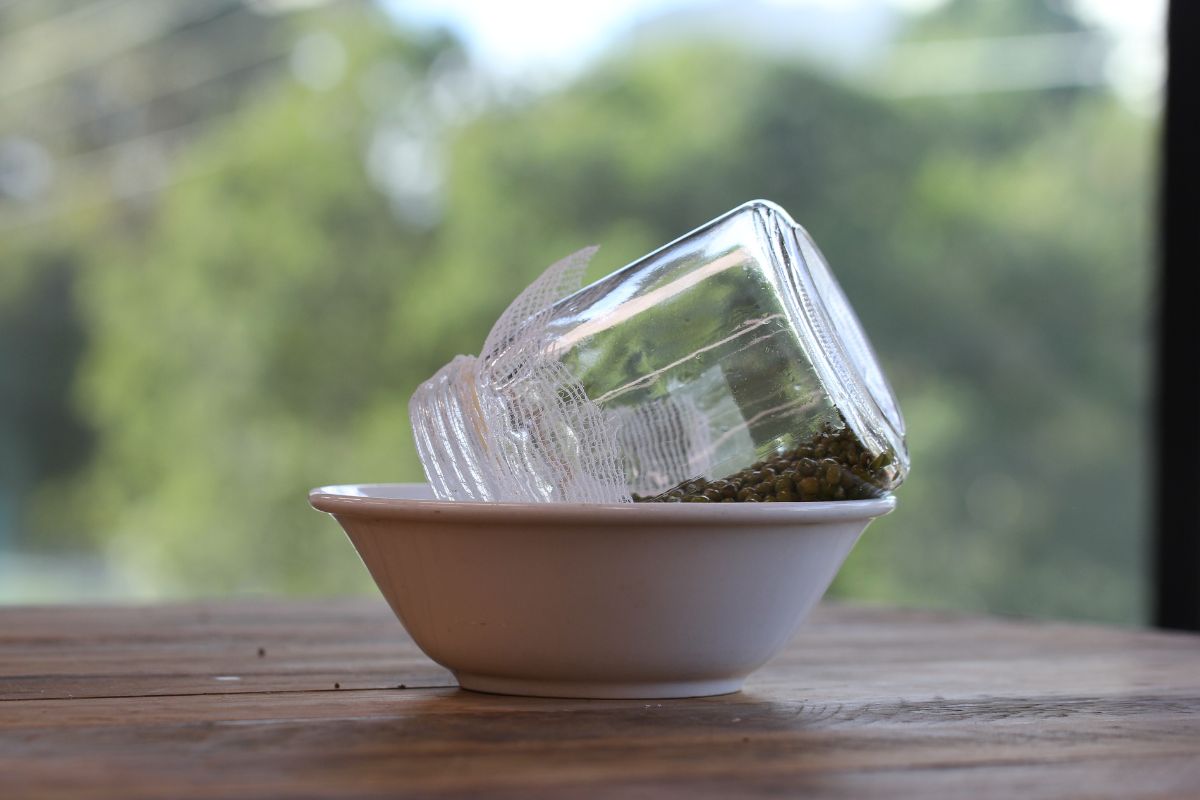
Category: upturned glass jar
<point>725,366</point>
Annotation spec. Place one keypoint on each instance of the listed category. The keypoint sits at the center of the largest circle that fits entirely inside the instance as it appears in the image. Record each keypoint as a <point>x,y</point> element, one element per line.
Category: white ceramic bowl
<point>569,600</point>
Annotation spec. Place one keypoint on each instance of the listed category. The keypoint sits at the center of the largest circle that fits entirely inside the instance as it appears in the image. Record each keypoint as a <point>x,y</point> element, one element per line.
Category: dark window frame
<point>1177,434</point>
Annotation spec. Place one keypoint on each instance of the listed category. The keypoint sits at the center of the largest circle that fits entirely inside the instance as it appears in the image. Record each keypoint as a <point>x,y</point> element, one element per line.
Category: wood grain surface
<point>331,699</point>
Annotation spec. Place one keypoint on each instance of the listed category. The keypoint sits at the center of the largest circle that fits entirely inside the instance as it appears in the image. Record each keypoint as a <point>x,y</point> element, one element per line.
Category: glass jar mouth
<point>830,332</point>
<point>448,431</point>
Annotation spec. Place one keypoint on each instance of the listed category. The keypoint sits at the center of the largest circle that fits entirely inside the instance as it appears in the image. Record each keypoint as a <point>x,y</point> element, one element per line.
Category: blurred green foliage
<point>258,331</point>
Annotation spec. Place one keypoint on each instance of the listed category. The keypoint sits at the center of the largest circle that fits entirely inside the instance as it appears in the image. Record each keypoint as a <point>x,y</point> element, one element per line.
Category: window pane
<point>236,236</point>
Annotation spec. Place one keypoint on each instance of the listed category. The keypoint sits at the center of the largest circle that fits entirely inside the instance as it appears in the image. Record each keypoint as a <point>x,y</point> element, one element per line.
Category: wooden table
<point>330,699</point>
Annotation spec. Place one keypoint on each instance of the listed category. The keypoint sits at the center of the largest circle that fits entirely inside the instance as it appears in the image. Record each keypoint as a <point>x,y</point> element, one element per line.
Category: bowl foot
<point>609,690</point>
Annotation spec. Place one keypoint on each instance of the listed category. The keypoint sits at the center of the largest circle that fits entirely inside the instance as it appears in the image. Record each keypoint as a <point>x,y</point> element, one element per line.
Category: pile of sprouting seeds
<point>832,465</point>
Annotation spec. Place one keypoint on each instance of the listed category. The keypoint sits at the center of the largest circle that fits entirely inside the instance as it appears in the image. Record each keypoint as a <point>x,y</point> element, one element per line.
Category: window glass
<point>234,236</point>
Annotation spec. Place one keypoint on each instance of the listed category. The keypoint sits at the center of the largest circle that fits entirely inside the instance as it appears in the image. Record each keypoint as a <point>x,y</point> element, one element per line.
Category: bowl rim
<point>351,500</point>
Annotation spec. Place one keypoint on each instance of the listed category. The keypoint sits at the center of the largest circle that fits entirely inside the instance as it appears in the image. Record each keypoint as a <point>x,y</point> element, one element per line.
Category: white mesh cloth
<point>661,441</point>
<point>514,425</point>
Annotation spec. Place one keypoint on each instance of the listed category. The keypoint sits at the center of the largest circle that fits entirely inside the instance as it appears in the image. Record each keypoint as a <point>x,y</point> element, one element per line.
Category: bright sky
<point>565,34</point>
<point>502,35</point>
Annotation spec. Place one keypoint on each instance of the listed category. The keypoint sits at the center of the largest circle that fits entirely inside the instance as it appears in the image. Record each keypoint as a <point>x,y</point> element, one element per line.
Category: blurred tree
<point>40,341</point>
<point>94,100</point>
<point>244,341</point>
